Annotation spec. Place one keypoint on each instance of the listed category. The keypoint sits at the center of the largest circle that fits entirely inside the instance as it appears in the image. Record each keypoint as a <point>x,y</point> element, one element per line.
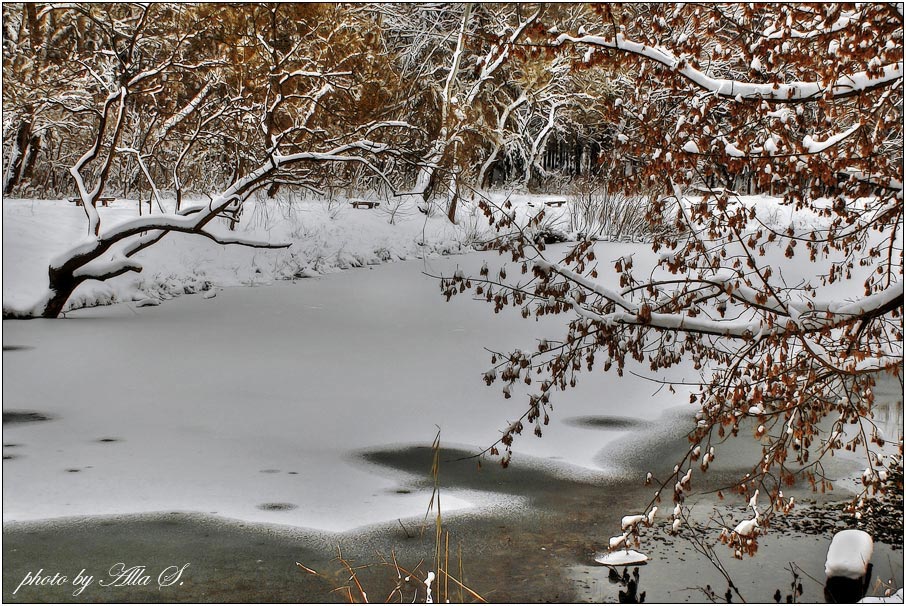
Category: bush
<point>596,212</point>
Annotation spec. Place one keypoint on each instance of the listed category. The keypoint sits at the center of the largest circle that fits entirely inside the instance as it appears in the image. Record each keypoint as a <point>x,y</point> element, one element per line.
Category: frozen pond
<point>311,406</point>
<point>255,405</point>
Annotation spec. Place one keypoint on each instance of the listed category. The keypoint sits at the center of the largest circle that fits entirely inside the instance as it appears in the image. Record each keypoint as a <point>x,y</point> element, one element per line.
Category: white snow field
<point>264,395</point>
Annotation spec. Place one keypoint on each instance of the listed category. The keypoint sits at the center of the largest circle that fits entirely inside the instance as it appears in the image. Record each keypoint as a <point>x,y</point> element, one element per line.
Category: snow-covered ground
<point>325,237</point>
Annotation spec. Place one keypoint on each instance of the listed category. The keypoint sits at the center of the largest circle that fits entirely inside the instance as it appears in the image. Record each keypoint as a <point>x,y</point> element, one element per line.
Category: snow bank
<point>326,237</point>
<point>849,554</point>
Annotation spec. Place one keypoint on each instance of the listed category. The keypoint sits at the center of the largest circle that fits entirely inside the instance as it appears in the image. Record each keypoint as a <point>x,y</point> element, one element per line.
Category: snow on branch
<point>104,270</point>
<point>816,317</point>
<point>302,73</point>
<point>240,241</point>
<point>89,197</point>
<point>491,64</point>
<point>816,147</point>
<point>844,86</point>
<point>874,179</point>
<point>195,219</point>
<point>182,114</point>
<point>772,32</point>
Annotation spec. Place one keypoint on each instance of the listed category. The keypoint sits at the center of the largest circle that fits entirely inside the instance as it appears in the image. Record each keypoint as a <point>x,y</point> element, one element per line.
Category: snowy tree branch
<point>791,92</point>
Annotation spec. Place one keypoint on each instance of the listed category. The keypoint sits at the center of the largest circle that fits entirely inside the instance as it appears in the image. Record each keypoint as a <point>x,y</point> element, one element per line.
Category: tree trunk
<point>62,285</point>
<point>454,201</point>
<point>23,155</point>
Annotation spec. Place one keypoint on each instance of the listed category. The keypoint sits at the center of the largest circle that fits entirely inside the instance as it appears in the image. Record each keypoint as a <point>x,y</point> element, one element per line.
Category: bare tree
<point>133,54</point>
<point>464,53</point>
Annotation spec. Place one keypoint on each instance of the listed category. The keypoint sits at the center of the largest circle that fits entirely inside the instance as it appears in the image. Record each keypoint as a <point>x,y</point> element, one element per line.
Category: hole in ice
<point>277,506</point>
<point>606,422</point>
<point>23,416</point>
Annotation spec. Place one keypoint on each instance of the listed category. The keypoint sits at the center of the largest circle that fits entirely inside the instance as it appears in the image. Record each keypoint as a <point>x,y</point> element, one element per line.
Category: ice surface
<point>265,395</point>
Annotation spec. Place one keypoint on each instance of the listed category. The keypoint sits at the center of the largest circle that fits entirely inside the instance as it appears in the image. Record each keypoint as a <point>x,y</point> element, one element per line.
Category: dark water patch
<point>293,473</point>
<point>10,457</point>
<point>24,416</point>
<point>605,422</point>
<point>659,446</point>
<point>269,471</point>
<point>11,445</point>
<point>459,468</point>
<point>73,470</point>
<point>278,506</point>
<point>265,570</point>
<point>16,347</point>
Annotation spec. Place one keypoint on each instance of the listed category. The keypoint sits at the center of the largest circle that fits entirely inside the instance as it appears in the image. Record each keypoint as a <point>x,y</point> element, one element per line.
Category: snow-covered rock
<point>621,558</point>
<point>849,554</point>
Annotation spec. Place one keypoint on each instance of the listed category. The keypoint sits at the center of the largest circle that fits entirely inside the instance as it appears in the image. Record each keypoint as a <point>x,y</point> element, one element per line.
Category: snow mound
<point>621,558</point>
<point>746,528</point>
<point>849,554</point>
